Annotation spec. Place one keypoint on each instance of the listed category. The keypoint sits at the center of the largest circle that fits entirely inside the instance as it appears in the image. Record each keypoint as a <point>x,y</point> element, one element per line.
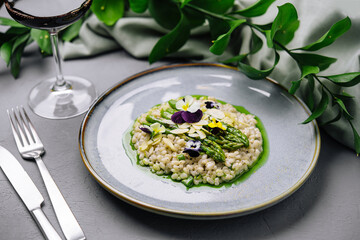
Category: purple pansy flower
<point>190,117</point>
<point>146,129</point>
<point>211,104</point>
<point>177,117</point>
<point>189,111</point>
<point>193,148</point>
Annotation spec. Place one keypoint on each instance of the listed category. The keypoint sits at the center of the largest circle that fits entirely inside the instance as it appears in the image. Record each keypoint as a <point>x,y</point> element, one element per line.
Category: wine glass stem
<point>60,83</point>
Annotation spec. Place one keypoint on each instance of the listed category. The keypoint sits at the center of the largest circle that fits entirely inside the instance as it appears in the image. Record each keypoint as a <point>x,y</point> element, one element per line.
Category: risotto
<point>197,140</point>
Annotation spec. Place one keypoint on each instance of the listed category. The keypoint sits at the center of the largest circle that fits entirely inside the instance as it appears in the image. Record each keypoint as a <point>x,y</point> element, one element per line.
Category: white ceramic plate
<point>294,147</point>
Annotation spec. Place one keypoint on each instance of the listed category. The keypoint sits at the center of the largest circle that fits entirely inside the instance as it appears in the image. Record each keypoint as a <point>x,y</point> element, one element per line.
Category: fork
<point>31,147</point>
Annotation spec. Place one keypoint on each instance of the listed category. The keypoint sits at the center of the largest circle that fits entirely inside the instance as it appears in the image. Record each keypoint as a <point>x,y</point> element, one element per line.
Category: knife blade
<point>27,191</point>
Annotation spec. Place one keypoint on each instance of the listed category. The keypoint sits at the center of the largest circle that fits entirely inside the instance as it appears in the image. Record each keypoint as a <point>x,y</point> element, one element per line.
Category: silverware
<point>31,147</point>
<point>27,191</point>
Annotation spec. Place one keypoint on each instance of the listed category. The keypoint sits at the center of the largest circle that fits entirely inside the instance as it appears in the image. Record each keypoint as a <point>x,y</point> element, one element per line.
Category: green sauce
<point>240,178</point>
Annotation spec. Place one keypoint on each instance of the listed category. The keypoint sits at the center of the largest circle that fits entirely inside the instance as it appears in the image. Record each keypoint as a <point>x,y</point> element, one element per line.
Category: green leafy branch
<point>18,36</point>
<point>277,34</point>
<point>180,16</point>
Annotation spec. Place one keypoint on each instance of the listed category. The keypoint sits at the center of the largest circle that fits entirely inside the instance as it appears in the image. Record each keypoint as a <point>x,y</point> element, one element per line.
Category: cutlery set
<point>31,148</point>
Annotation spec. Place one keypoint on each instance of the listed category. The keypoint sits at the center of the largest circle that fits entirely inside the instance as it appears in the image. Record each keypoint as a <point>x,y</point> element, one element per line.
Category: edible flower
<point>157,128</point>
<point>188,104</point>
<point>192,148</point>
<point>211,104</point>
<point>154,129</point>
<point>189,111</point>
<point>145,129</point>
<point>216,124</point>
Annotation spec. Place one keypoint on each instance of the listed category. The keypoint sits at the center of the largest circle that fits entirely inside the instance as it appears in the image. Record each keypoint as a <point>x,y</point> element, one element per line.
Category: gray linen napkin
<point>137,34</point>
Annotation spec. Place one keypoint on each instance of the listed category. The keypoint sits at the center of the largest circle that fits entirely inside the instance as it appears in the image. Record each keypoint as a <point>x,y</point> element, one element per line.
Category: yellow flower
<point>216,124</point>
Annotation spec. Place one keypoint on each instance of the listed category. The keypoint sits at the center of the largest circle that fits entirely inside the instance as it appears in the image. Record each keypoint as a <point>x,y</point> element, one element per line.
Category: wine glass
<point>63,96</point>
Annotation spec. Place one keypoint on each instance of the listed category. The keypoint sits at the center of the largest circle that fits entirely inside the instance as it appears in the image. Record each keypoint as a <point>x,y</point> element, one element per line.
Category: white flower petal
<point>180,104</point>
<point>194,107</point>
<point>161,129</point>
<point>189,99</point>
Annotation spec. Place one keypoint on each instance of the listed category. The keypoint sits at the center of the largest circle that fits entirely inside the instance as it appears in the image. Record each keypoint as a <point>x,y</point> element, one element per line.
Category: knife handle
<point>46,228</point>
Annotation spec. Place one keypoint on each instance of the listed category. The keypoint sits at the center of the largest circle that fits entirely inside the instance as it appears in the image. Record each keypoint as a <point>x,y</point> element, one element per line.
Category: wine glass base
<point>73,101</point>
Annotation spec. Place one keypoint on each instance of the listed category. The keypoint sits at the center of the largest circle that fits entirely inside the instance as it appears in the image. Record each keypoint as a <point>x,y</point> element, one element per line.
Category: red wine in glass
<point>63,96</point>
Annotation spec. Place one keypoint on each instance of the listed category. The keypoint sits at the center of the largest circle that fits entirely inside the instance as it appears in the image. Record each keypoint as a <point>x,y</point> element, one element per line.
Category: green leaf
<point>16,59</point>
<point>285,24</point>
<point>255,73</point>
<point>165,13</point>
<point>256,43</point>
<point>108,11</point>
<point>42,38</point>
<point>17,31</point>
<point>72,31</point>
<point>184,2</point>
<point>5,51</point>
<point>172,41</point>
<point>295,86</point>
<point>265,27</point>
<point>328,38</point>
<point>235,59</point>
<point>310,93</point>
<point>11,23</point>
<point>269,40</point>
<point>306,70</point>
<point>343,107</point>
<point>257,9</point>
<point>139,6</point>
<point>308,59</point>
<point>335,119</point>
<point>215,6</point>
<point>356,139</point>
<point>194,18</point>
<point>20,40</point>
<point>344,96</point>
<point>217,26</point>
<point>320,108</point>
<point>221,43</point>
<point>345,79</point>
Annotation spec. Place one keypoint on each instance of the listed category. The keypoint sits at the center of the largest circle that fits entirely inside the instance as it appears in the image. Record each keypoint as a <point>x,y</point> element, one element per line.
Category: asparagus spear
<point>166,113</point>
<point>213,150</point>
<point>226,144</point>
<point>172,103</point>
<point>153,119</point>
<point>236,132</point>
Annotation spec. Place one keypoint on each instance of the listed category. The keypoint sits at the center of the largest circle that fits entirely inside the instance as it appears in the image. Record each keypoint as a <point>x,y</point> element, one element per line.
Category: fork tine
<point>18,141</point>
<point>31,127</point>
<point>20,127</point>
<point>25,125</point>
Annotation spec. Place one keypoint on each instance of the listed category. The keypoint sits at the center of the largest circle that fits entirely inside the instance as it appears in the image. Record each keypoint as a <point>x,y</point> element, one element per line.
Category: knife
<point>27,191</point>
